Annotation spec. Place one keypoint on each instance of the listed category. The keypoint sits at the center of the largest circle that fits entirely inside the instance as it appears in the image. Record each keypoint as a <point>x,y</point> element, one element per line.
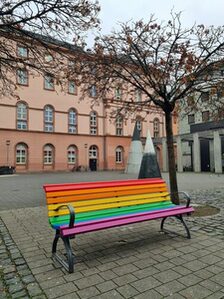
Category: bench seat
<point>78,208</point>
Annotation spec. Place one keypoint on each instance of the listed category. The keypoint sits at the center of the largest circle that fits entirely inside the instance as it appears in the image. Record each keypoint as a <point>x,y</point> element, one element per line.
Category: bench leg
<point>179,217</point>
<point>69,264</point>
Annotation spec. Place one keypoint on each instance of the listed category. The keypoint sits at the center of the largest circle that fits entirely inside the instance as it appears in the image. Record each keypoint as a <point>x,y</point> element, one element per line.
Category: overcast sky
<point>207,12</point>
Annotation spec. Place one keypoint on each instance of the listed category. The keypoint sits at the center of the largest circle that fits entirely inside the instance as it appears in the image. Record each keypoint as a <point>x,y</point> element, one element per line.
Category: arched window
<point>93,152</point>
<point>119,125</point>
<point>21,116</point>
<point>93,123</point>
<point>156,132</point>
<point>48,154</point>
<point>72,121</point>
<point>139,124</point>
<point>21,153</point>
<point>119,154</point>
<point>48,119</point>
<point>72,154</point>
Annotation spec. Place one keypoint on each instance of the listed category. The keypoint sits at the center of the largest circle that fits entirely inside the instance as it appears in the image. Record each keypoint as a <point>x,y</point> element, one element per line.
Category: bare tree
<point>166,62</point>
<point>41,27</point>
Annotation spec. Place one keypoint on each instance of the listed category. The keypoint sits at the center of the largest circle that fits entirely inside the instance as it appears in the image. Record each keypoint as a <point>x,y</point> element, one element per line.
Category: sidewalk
<point>135,261</point>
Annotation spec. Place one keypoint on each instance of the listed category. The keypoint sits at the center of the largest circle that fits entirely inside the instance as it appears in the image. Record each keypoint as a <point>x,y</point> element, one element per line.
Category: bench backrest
<point>96,200</point>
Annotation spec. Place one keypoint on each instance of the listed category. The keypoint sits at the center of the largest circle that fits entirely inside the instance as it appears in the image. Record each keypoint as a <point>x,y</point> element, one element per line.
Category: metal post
<point>86,149</point>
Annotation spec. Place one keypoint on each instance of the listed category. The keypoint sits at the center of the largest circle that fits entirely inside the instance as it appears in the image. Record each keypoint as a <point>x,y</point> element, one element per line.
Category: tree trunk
<point>171,158</point>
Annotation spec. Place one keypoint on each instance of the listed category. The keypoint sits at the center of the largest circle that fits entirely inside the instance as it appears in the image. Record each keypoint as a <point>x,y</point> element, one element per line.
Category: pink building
<point>50,130</point>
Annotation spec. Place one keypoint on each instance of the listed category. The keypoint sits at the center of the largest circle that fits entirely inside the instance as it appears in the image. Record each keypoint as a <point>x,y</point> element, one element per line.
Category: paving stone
<point>145,284</point>
<point>127,291</point>
<point>121,270</point>
<point>125,279</point>
<point>219,278</point>
<point>166,276</point>
<point>217,295</point>
<point>168,289</point>
<point>52,282</point>
<point>88,292</point>
<point>190,280</point>
<point>109,295</point>
<point>61,290</point>
<point>145,272</point>
<point>211,285</point>
<point>106,286</point>
<point>108,275</point>
<point>34,289</point>
<point>88,281</point>
<point>195,265</point>
<point>196,291</point>
<point>151,294</point>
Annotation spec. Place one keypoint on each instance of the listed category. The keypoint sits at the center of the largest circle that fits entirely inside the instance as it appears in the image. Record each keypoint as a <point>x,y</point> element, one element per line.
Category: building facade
<point>46,129</point>
<point>200,143</point>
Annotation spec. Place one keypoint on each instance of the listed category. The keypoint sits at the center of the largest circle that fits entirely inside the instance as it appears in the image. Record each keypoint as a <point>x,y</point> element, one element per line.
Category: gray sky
<point>207,12</point>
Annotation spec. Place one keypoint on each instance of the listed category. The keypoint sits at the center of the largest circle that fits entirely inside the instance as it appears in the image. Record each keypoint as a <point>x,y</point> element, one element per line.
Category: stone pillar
<point>179,155</point>
<point>165,155</point>
<point>211,155</point>
<point>217,152</point>
<point>196,153</point>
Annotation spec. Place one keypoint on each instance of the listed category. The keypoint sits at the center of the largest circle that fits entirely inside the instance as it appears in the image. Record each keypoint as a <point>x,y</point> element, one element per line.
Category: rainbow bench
<point>84,207</point>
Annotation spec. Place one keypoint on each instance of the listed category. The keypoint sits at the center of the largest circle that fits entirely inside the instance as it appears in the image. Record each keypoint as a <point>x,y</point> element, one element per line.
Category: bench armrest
<point>72,214</point>
<point>187,197</point>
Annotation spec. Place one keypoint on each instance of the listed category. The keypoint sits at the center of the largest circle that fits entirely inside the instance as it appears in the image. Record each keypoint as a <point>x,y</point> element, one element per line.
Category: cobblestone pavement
<point>135,261</point>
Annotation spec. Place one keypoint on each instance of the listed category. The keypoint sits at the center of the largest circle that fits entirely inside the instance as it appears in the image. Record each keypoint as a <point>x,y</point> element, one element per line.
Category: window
<point>49,82</point>
<point>72,121</point>
<point>72,87</point>
<point>21,116</point>
<point>71,154</point>
<point>22,77</point>
<point>21,153</point>
<point>119,125</point>
<point>48,57</point>
<point>138,95</point>
<point>156,132</point>
<point>205,96</point>
<point>205,116</point>
<point>191,119</point>
<point>139,125</point>
<point>119,154</point>
<point>93,152</point>
<point>93,123</point>
<point>48,154</point>
<point>118,93</point>
<point>22,51</point>
<point>48,119</point>
<point>93,92</point>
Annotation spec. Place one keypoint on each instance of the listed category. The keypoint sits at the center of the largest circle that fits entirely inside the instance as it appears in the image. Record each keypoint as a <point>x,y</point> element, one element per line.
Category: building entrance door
<point>93,164</point>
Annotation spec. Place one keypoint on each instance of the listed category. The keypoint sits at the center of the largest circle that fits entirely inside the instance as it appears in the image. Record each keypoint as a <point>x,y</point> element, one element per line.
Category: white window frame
<point>72,89</point>
<point>21,116</point>
<point>119,126</point>
<point>48,155</point>
<point>119,155</point>
<point>22,51</point>
<point>93,152</point>
<point>22,76</point>
<point>48,82</point>
<point>72,121</point>
<point>71,154</point>
<point>48,119</point>
<point>21,154</point>
<point>93,123</point>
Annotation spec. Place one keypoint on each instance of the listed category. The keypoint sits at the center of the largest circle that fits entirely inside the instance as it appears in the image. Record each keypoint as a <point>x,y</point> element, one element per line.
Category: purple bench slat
<point>113,223</point>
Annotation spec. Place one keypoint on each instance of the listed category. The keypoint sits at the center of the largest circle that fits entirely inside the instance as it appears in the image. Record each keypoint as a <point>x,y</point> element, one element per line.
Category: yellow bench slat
<point>107,206</point>
<point>91,202</point>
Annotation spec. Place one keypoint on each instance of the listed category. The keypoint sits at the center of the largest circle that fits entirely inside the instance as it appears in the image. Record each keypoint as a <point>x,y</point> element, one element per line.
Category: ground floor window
<point>48,154</point>
<point>21,153</point>
<point>119,154</point>
<point>71,154</point>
